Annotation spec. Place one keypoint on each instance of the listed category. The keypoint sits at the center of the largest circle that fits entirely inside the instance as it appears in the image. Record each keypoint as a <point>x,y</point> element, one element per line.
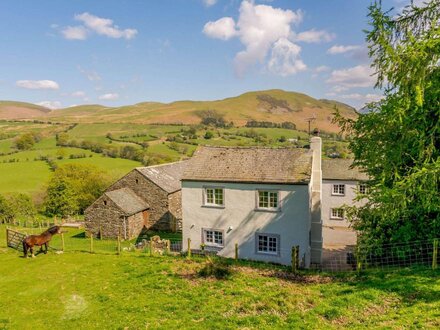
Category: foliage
<point>215,268</point>
<point>26,141</point>
<point>72,188</point>
<point>22,205</point>
<point>269,124</point>
<point>212,118</point>
<point>398,142</point>
<point>208,135</point>
<point>6,211</point>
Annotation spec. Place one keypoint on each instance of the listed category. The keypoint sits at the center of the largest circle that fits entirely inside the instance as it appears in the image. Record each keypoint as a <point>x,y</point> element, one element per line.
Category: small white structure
<point>265,200</point>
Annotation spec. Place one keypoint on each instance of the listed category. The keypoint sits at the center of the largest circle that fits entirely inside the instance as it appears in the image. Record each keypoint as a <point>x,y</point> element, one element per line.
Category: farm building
<point>154,189</point>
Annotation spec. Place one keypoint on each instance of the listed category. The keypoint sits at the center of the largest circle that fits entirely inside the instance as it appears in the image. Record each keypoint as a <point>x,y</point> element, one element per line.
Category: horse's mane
<point>52,230</point>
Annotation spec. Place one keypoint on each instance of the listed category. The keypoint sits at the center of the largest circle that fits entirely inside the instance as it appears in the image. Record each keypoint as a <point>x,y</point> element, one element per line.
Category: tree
<point>22,205</point>
<point>208,135</point>
<point>212,118</point>
<point>6,211</point>
<point>397,142</point>
<point>72,188</point>
<point>25,141</point>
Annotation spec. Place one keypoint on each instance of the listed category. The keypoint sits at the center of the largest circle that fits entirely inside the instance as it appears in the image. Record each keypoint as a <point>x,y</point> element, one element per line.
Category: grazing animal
<point>39,240</point>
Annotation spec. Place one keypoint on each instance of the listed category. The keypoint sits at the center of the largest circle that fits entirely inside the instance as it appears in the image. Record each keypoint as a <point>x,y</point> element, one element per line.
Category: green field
<point>136,291</point>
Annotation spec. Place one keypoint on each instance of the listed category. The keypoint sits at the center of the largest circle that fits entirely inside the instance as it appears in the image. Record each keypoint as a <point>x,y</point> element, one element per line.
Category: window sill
<point>338,195</point>
<point>267,210</point>
<point>213,206</point>
<point>276,254</point>
<point>337,219</point>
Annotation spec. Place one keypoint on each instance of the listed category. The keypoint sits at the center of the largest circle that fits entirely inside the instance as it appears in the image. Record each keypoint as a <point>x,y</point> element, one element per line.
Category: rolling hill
<point>21,110</point>
<point>270,105</point>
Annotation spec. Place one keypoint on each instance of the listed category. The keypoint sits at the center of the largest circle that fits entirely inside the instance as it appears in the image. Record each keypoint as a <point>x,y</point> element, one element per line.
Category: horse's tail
<point>24,247</point>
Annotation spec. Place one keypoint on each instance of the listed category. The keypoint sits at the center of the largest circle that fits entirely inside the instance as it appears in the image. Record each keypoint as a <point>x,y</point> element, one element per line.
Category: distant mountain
<point>21,110</point>
<point>270,105</point>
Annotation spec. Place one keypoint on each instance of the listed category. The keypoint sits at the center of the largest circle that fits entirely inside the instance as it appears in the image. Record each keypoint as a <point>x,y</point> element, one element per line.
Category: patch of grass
<point>96,291</point>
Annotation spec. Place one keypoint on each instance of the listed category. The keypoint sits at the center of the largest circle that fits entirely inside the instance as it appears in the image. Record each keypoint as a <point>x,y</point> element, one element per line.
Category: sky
<point>116,52</point>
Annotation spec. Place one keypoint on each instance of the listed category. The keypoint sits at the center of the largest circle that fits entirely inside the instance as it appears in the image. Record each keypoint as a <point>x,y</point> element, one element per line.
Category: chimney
<point>315,201</point>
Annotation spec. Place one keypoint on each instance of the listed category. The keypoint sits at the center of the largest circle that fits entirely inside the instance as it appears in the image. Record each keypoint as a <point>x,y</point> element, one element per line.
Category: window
<point>337,213</point>
<point>268,199</point>
<point>268,244</point>
<point>214,196</point>
<point>105,202</point>
<point>137,181</point>
<point>213,237</point>
<point>363,189</point>
<point>338,189</point>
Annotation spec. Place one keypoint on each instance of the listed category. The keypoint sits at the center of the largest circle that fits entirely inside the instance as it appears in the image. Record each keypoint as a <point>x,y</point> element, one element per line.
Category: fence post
<point>91,242</point>
<point>236,251</point>
<point>151,247</point>
<point>189,248</point>
<point>295,258</point>
<point>168,246</point>
<point>7,236</point>
<point>119,241</point>
<point>62,242</point>
<point>434,254</point>
<point>358,260</point>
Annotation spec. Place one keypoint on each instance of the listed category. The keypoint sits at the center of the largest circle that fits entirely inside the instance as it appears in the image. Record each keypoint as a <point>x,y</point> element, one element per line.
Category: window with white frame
<point>337,213</point>
<point>268,244</point>
<point>213,237</point>
<point>268,199</point>
<point>362,189</point>
<point>214,196</point>
<point>338,189</point>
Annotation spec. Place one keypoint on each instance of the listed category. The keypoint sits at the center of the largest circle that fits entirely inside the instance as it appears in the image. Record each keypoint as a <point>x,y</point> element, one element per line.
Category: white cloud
<point>50,104</point>
<point>75,32</point>
<point>284,59</point>
<point>340,49</point>
<point>98,25</point>
<point>109,96</point>
<point>78,94</point>
<point>262,29</point>
<point>314,36</point>
<point>322,68</point>
<point>358,76</point>
<point>362,97</point>
<point>37,84</point>
<point>224,29</point>
<point>90,74</point>
<point>209,3</point>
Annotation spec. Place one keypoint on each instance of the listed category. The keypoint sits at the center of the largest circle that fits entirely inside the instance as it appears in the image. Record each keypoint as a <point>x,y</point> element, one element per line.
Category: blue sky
<point>115,52</point>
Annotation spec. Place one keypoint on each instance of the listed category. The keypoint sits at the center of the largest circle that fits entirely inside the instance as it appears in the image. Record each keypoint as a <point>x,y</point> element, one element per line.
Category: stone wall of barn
<point>175,206</point>
<point>104,218</point>
<point>155,196</point>
<point>135,224</point>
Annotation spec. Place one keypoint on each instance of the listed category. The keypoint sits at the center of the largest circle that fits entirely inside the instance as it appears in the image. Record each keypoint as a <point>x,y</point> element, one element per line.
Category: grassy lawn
<point>136,291</point>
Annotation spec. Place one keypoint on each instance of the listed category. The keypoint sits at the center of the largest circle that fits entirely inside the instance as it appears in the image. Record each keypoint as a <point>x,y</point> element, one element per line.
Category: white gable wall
<point>240,221</point>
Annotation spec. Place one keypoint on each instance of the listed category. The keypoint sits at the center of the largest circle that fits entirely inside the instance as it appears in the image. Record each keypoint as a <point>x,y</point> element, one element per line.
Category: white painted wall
<point>292,223</point>
<point>330,201</point>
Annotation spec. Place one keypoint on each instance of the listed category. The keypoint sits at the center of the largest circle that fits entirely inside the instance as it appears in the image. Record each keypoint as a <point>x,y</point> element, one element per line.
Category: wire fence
<point>343,259</point>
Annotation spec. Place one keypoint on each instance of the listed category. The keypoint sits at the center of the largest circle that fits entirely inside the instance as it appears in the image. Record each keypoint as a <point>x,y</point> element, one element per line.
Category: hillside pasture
<point>138,291</point>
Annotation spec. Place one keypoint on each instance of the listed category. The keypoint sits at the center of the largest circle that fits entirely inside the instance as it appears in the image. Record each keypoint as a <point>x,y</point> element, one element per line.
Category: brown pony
<point>43,239</point>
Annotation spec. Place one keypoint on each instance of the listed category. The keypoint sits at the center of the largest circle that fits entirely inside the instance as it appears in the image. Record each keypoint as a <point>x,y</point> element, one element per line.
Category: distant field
<point>23,177</point>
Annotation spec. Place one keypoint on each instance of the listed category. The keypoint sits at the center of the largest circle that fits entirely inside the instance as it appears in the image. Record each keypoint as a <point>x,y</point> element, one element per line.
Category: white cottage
<point>265,200</point>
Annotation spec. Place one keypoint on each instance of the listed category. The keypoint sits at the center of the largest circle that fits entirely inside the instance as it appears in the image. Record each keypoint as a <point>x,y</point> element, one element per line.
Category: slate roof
<point>166,176</point>
<point>127,201</point>
<point>250,164</point>
<point>340,169</point>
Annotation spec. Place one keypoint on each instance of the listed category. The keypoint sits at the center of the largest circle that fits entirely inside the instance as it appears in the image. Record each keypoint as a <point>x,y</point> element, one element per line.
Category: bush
<point>217,269</point>
<point>208,135</point>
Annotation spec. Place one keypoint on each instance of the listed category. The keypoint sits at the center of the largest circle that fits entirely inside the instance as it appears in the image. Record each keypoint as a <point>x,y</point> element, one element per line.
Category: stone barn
<point>117,212</point>
<point>158,187</point>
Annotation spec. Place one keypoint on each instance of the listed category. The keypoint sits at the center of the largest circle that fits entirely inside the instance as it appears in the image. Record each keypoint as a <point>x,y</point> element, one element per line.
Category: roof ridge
<point>164,164</point>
